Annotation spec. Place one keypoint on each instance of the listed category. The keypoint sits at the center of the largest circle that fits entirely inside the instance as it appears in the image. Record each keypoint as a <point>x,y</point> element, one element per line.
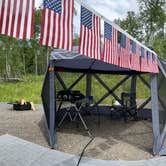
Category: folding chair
<point>128,104</point>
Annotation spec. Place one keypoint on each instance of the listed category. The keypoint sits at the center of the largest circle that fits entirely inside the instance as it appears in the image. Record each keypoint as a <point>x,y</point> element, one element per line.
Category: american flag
<point>57,24</point>
<point>122,47</point>
<point>90,34</point>
<point>17,18</point>
<point>108,44</point>
<point>155,63</point>
<point>124,51</point>
<point>143,60</point>
<point>148,61</point>
<point>134,55</point>
<point>127,54</point>
<point>115,55</point>
<point>137,58</point>
<point>118,48</point>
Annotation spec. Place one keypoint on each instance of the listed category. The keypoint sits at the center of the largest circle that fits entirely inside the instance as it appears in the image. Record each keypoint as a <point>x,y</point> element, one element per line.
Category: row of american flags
<point>17,20</point>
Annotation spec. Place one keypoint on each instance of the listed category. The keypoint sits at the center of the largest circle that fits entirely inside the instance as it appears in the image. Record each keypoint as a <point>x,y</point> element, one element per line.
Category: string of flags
<point>17,20</point>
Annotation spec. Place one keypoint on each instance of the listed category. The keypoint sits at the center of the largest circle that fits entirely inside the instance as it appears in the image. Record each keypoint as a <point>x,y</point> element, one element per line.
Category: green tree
<point>159,45</point>
<point>153,17</point>
<point>18,57</point>
<point>132,25</point>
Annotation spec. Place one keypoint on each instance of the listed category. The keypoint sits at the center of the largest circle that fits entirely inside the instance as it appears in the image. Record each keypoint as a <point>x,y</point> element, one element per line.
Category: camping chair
<point>127,106</point>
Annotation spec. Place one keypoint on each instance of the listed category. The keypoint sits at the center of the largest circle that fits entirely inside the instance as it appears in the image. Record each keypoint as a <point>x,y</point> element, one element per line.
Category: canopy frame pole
<point>155,115</point>
<point>60,80</point>
<point>133,87</point>
<point>76,81</point>
<point>144,81</point>
<point>110,91</point>
<point>147,100</point>
<point>88,84</point>
<point>144,104</point>
<point>52,132</point>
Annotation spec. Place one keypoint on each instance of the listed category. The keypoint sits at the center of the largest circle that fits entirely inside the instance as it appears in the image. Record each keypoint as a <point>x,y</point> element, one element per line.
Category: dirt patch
<point>114,139</point>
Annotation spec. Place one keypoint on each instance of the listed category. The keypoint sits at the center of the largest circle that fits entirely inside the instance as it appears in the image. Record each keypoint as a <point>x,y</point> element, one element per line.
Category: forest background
<point>24,63</point>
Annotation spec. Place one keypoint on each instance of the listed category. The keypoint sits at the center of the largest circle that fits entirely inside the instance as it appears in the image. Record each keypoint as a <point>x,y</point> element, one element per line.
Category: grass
<point>30,88</point>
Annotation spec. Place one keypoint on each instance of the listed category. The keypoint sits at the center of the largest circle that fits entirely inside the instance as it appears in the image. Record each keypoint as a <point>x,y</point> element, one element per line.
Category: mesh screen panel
<point>162,99</point>
<point>65,80</point>
<point>97,90</point>
<point>46,96</point>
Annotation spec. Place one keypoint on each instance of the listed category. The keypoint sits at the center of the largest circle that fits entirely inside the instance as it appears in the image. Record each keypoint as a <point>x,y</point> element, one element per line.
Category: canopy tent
<point>104,48</point>
<point>63,61</point>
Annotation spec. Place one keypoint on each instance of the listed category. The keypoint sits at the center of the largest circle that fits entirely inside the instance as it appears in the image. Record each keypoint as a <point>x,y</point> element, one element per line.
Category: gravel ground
<point>114,139</point>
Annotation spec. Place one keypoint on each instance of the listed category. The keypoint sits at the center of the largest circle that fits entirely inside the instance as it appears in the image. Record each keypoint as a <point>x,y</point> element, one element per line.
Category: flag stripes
<point>17,18</point>
<point>116,50</point>
<point>108,49</point>
<point>90,34</point>
<point>143,60</point>
<point>135,56</point>
<point>155,68</point>
<point>123,50</point>
<point>57,24</point>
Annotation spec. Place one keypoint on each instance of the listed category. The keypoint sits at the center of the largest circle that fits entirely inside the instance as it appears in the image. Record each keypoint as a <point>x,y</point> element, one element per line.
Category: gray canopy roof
<point>72,61</point>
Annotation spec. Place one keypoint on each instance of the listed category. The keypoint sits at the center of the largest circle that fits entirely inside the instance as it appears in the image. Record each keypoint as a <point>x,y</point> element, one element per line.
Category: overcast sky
<point>112,8</point>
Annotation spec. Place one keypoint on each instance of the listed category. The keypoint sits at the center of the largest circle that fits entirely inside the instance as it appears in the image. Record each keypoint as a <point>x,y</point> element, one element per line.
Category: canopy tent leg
<point>155,115</point>
<point>88,84</point>
<point>133,88</point>
<point>52,132</point>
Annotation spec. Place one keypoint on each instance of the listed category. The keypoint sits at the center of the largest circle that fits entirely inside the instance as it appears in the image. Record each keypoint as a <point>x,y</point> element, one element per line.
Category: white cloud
<point>112,8</point>
<point>38,3</point>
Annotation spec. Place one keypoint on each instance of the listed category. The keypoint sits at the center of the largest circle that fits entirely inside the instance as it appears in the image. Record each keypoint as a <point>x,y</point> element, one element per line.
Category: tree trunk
<point>36,68</point>
<point>24,64</point>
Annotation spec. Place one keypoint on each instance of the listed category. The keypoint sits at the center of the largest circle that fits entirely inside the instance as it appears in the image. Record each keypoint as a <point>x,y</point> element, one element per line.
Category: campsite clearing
<point>114,139</point>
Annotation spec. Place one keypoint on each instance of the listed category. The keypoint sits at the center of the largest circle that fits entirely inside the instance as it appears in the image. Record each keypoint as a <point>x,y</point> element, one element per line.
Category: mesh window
<point>46,96</point>
<point>67,79</point>
<point>162,99</point>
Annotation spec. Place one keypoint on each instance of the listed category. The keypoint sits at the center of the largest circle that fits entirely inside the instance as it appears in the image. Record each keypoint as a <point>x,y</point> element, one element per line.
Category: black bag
<point>22,107</point>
